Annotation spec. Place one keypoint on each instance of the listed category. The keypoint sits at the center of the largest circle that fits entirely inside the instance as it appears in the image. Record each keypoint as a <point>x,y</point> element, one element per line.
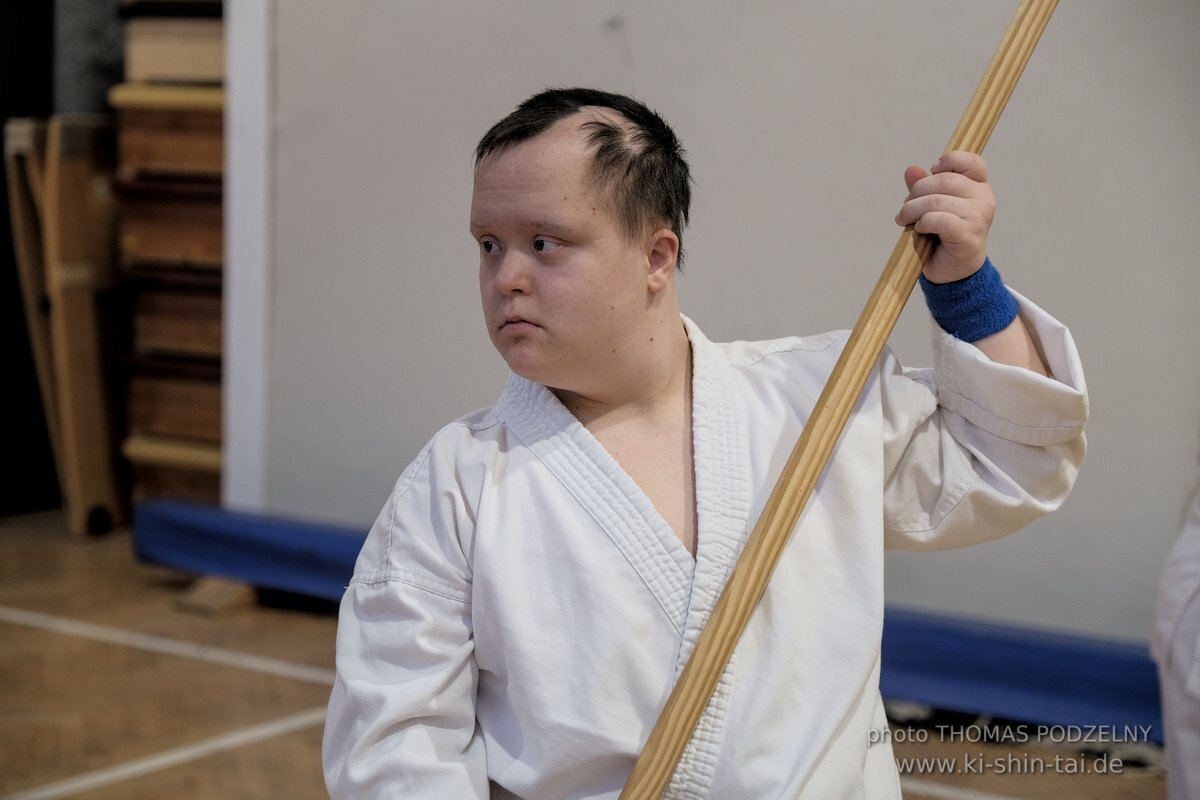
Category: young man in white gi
<point>533,587</point>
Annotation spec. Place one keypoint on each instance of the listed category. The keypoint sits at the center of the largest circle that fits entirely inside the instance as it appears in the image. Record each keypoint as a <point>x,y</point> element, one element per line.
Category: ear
<point>662,252</point>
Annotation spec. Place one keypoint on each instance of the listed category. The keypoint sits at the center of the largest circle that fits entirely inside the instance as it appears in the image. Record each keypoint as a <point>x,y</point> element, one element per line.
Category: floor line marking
<point>163,644</point>
<point>942,790</point>
<point>174,757</point>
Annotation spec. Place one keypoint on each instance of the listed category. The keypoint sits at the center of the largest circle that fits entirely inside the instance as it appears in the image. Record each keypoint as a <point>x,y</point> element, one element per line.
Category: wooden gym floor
<point>108,690</point>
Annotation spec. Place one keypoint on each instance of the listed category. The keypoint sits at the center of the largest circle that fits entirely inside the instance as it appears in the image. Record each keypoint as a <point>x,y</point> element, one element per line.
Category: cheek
<point>487,291</point>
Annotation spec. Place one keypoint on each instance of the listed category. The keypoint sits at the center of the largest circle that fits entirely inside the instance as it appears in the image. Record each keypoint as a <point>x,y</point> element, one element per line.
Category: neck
<point>650,384</point>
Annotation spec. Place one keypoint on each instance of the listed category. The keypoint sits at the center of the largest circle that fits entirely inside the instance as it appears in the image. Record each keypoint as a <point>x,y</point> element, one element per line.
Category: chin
<point>531,360</point>
<point>523,364</point>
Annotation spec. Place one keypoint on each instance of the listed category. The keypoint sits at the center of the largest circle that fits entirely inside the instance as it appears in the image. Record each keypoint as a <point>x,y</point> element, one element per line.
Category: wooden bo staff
<point>750,575</point>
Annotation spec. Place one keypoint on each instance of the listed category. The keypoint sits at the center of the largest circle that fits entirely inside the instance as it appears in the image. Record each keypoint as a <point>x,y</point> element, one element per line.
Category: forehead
<point>538,177</point>
<point>558,152</point>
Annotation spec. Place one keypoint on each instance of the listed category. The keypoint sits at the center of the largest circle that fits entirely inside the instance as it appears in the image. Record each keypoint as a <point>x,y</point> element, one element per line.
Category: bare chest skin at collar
<point>660,462</point>
<point>655,449</point>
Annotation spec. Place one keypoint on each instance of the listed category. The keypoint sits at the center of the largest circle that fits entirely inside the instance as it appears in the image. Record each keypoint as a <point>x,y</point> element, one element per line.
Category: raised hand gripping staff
<point>749,578</point>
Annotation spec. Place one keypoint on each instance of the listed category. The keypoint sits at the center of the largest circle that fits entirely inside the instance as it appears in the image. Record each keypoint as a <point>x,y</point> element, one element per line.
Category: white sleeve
<point>402,713</point>
<point>974,449</point>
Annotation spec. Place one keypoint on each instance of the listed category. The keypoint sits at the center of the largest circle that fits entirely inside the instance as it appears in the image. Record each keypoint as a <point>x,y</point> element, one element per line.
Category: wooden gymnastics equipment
<point>60,192</point>
<point>24,157</point>
<point>170,247</point>
<point>750,575</point>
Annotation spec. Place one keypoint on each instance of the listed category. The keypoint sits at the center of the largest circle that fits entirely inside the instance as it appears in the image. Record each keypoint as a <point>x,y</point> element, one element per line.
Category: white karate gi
<point>1175,644</point>
<point>520,611</point>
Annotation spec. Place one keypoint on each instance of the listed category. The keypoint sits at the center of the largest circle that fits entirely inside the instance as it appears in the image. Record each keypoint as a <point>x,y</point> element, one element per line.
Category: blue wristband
<point>972,308</point>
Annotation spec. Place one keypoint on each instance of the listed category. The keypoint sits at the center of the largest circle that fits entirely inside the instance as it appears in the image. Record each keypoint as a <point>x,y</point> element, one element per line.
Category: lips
<point>514,322</point>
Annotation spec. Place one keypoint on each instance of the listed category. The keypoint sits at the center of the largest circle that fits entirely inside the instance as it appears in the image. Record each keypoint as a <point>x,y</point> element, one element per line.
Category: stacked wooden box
<point>170,113</point>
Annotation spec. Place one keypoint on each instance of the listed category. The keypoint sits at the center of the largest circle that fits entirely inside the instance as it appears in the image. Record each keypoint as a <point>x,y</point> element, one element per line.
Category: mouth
<point>515,323</point>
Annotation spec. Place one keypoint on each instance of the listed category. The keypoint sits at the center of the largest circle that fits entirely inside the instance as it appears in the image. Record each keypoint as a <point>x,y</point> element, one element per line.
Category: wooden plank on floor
<point>213,595</point>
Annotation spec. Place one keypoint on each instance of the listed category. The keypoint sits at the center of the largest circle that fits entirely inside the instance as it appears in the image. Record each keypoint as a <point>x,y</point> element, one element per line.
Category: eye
<point>544,245</point>
<point>489,245</point>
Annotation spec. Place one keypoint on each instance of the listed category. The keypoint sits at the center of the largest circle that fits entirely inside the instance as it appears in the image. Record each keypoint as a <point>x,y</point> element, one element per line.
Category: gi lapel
<point>597,482</point>
<point>724,492</point>
<point>724,488</point>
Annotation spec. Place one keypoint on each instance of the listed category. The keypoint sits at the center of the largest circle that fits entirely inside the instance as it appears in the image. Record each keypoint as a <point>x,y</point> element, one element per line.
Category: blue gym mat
<point>1018,673</point>
<point>265,551</point>
<point>948,663</point>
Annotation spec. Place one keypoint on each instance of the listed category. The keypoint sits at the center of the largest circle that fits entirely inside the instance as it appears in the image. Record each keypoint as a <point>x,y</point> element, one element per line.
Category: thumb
<point>913,174</point>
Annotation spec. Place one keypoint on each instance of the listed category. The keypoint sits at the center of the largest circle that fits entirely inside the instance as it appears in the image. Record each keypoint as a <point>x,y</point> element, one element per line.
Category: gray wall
<point>799,119</point>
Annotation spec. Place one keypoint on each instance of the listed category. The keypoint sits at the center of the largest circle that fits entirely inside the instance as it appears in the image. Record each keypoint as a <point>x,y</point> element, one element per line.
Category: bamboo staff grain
<point>749,578</point>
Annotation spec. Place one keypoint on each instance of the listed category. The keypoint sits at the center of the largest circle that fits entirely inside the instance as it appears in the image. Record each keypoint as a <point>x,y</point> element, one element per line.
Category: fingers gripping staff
<point>749,578</point>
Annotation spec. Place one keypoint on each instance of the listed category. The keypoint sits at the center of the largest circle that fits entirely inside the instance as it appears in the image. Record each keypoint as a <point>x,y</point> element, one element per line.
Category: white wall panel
<point>799,118</point>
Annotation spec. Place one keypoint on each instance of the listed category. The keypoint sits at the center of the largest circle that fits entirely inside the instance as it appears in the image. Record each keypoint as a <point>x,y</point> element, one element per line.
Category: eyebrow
<point>549,226</point>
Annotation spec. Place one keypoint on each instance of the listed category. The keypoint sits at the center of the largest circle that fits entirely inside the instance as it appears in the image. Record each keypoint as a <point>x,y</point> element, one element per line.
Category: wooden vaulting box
<point>175,313</point>
<point>174,41</point>
<point>168,467</point>
<point>170,165</point>
<point>176,399</point>
<point>169,130</point>
<point>162,49</point>
<point>171,222</point>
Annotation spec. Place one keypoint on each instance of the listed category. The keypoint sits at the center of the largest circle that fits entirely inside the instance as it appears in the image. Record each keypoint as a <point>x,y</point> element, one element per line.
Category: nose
<point>513,274</point>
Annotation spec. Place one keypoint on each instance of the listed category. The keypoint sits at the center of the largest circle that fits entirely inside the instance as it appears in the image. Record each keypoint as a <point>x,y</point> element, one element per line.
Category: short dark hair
<point>643,169</point>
